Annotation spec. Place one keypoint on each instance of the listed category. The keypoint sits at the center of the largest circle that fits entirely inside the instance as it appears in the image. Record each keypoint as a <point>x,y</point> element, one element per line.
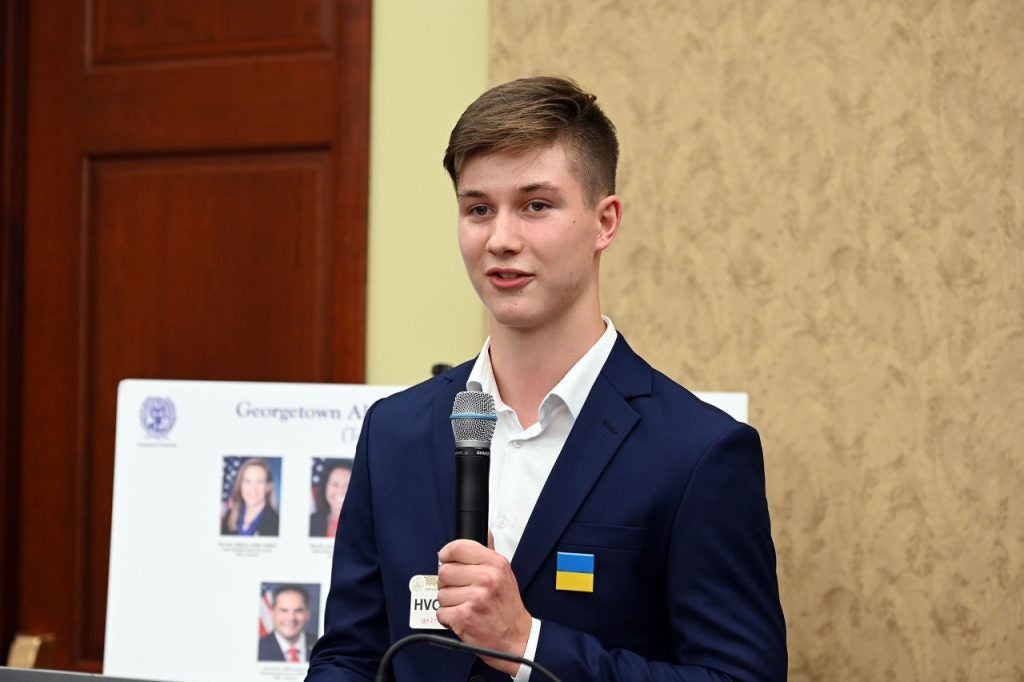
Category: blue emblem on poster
<point>157,416</point>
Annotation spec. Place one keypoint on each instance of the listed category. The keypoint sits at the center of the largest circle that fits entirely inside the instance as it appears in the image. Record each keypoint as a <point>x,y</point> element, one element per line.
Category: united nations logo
<point>157,416</point>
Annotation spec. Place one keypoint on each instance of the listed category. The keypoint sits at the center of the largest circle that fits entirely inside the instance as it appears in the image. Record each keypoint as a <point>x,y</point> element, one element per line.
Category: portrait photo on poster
<point>289,614</point>
<point>250,491</point>
<point>329,479</point>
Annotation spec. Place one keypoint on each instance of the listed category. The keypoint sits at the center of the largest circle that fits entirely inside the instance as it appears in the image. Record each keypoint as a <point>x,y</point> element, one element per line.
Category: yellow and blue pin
<point>574,572</point>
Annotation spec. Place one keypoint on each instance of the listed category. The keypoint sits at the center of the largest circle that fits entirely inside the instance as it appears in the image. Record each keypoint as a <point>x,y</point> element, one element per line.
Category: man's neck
<point>527,364</point>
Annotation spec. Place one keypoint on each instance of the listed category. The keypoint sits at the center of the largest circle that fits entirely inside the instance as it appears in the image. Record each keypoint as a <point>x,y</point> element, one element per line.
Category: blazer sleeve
<point>355,620</point>
<point>721,585</point>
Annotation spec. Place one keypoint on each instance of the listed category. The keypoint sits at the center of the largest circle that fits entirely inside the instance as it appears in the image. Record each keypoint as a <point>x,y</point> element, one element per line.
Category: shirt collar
<point>572,390</point>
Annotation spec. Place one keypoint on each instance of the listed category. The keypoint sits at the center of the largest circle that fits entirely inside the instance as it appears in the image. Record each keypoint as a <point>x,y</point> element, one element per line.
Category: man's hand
<point>480,601</point>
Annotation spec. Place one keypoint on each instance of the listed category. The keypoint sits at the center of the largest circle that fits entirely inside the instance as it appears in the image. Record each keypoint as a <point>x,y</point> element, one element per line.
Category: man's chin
<point>519,323</point>
<point>514,317</point>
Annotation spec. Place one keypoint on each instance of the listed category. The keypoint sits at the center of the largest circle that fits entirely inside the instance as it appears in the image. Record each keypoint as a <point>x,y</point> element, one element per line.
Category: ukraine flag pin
<point>575,572</point>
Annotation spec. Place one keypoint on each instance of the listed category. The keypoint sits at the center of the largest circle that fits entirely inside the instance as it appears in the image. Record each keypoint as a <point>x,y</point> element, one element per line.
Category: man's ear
<point>609,213</point>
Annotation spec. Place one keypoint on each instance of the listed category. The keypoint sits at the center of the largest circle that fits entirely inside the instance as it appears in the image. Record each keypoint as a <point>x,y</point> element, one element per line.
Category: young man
<point>631,538</point>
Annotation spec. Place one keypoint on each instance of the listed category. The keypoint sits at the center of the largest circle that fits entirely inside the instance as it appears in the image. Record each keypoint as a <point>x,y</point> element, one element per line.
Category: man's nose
<point>505,234</point>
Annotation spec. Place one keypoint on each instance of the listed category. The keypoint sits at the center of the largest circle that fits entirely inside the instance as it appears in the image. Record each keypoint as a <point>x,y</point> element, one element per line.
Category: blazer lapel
<point>602,426</point>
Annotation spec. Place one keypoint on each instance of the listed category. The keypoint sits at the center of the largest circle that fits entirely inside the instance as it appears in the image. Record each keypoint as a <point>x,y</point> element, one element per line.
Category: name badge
<point>423,603</point>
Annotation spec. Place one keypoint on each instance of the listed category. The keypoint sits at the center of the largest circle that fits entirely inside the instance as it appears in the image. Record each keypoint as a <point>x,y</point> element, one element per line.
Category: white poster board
<point>189,600</point>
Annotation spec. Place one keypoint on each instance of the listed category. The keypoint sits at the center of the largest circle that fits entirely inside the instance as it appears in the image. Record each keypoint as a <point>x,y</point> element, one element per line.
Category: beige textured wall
<point>825,207</point>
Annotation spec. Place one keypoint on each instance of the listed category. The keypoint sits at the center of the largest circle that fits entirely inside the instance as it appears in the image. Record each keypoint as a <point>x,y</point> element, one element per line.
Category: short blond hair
<point>534,112</point>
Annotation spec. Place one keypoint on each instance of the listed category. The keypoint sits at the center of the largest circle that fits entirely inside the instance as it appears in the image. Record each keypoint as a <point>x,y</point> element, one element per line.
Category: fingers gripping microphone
<point>473,422</point>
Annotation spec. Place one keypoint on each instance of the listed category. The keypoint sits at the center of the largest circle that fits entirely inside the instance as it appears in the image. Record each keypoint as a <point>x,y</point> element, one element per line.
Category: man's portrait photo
<point>288,617</point>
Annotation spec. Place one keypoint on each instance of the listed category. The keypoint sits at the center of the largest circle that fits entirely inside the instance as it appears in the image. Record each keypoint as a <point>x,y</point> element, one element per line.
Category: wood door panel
<point>246,252</point>
<point>192,107</point>
<point>134,31</point>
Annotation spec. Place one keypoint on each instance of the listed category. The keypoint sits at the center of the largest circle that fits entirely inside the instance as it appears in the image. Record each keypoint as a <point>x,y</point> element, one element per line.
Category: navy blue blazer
<point>665,491</point>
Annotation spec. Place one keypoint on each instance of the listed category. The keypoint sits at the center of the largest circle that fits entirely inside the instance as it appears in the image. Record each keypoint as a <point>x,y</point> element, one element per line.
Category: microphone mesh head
<point>478,422</point>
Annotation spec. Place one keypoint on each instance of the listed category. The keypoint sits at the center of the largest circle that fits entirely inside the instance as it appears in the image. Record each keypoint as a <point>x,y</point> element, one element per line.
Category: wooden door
<point>195,208</point>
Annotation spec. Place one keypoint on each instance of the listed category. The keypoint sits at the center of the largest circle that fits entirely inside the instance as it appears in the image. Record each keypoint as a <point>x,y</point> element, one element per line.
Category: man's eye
<point>537,206</point>
<point>478,211</point>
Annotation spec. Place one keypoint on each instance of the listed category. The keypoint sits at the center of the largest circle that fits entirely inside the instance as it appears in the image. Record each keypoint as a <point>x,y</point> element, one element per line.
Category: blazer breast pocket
<point>602,536</point>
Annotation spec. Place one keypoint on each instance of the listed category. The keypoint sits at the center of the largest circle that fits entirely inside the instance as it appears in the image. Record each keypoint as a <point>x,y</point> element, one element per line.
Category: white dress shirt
<point>522,459</point>
<point>299,646</point>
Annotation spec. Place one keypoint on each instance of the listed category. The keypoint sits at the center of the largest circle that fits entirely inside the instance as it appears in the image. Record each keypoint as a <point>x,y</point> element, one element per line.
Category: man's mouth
<point>505,273</point>
<point>508,279</point>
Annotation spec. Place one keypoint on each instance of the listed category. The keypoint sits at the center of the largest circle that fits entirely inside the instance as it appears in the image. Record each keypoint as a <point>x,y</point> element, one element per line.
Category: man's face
<point>529,241</point>
<point>290,614</point>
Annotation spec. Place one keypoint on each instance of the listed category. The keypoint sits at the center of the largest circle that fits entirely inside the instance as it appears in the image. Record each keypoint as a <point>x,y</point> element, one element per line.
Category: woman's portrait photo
<point>329,481</point>
<point>249,495</point>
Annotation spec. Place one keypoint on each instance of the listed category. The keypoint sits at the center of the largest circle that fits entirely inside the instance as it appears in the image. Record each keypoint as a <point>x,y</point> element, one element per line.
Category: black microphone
<point>473,421</point>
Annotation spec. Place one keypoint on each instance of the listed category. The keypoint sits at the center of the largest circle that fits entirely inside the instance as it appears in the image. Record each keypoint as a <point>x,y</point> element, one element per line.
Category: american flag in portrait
<point>232,463</point>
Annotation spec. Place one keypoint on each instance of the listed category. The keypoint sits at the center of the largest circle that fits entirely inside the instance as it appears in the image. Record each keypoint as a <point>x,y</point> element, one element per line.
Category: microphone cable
<point>447,643</point>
